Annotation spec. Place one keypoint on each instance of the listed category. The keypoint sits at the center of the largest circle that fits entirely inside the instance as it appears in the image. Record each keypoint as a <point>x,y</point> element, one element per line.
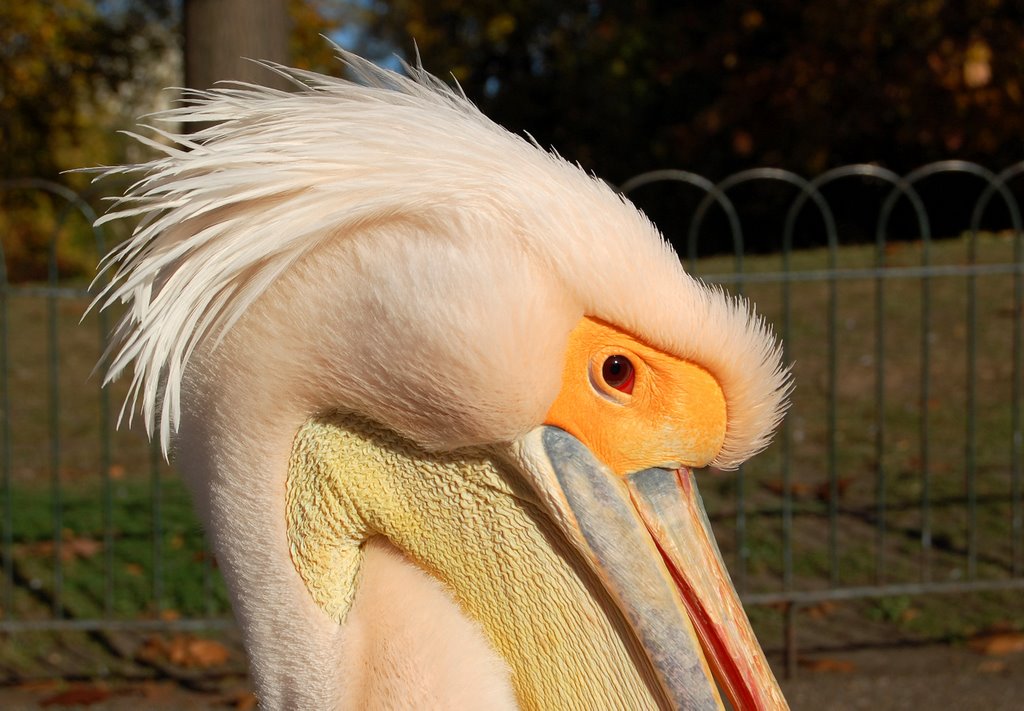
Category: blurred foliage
<point>625,87</point>
<point>620,87</point>
<point>71,73</point>
<point>32,220</point>
<point>63,67</point>
<point>312,20</point>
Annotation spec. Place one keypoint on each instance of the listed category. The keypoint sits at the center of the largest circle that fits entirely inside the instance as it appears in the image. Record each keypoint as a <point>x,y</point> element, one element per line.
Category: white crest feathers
<point>275,175</point>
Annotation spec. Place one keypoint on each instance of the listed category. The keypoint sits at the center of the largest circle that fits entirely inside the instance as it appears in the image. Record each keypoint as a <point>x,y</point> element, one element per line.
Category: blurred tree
<point>72,73</point>
<point>803,84</point>
<point>75,72</point>
<point>621,87</point>
<point>67,70</point>
<point>222,36</point>
<point>311,22</point>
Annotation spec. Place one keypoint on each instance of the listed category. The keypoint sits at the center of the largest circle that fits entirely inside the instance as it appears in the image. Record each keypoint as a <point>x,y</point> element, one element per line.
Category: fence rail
<point>896,473</point>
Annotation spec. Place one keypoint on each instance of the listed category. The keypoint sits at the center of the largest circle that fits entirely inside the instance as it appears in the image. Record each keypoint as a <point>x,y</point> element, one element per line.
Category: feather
<point>228,210</point>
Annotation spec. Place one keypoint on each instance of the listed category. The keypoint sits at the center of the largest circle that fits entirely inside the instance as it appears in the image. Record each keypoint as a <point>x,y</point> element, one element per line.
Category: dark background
<point>619,87</point>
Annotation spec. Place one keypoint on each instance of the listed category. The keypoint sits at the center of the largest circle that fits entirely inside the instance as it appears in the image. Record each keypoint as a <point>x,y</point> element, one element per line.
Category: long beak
<point>648,539</point>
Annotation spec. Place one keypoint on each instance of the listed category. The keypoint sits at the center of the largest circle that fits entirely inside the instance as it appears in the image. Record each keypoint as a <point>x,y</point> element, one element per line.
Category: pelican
<point>438,395</point>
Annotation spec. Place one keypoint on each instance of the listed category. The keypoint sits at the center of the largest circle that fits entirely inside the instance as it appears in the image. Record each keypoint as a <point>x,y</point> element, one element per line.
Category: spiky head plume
<point>275,176</point>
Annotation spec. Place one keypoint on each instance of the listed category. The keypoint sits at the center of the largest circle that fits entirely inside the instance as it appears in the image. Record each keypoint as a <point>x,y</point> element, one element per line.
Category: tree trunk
<point>221,36</point>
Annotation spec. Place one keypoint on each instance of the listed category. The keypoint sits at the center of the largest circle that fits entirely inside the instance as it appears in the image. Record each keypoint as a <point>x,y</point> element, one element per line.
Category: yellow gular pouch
<point>655,410</point>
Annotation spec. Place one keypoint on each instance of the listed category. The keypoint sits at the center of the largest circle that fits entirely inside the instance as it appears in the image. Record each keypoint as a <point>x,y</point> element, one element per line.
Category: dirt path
<point>929,677</point>
<point>887,679</point>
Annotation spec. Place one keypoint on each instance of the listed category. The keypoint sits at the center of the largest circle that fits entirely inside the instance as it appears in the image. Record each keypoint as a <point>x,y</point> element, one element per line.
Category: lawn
<point>854,492</point>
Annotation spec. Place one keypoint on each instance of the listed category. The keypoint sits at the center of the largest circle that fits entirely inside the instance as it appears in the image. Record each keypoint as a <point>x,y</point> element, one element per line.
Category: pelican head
<point>439,396</point>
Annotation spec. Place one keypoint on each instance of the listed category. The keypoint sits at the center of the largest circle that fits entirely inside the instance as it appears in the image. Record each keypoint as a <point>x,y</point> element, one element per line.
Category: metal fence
<point>94,521</point>
<point>897,472</point>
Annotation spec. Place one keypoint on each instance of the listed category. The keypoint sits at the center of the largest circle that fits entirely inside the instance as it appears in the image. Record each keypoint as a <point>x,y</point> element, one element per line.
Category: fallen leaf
<point>82,547</point>
<point>992,666</point>
<point>824,490</point>
<point>821,610</point>
<point>240,701</point>
<point>184,651</point>
<point>78,696</point>
<point>196,652</point>
<point>154,690</point>
<point>71,547</point>
<point>998,643</point>
<point>152,649</point>
<point>827,665</point>
<point>796,489</point>
<point>910,614</point>
<point>133,569</point>
<point>37,685</point>
<point>170,614</point>
<point>202,556</point>
<point>116,471</point>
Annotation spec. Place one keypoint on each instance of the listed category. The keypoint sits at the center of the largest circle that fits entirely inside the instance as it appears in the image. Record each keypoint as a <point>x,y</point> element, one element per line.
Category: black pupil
<point>617,370</point>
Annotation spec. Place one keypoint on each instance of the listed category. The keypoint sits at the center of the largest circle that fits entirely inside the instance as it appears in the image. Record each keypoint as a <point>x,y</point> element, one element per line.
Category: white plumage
<point>229,209</point>
<point>382,249</point>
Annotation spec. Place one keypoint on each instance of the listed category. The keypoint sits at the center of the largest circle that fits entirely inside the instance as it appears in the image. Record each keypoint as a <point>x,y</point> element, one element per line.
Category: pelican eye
<point>618,373</point>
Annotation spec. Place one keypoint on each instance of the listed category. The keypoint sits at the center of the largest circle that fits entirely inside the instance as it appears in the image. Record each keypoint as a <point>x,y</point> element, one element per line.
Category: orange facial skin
<point>674,417</point>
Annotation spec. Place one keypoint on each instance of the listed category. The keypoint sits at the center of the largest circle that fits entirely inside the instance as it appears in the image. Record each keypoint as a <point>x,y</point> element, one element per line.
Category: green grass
<point>74,480</point>
<point>133,577</point>
<point>896,474</point>
<point>151,559</point>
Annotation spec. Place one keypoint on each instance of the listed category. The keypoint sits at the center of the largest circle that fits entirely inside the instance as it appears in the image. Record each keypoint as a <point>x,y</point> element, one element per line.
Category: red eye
<point>618,372</point>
